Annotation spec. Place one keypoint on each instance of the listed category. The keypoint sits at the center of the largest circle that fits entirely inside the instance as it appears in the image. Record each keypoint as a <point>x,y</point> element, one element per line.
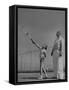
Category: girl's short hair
<point>44,46</point>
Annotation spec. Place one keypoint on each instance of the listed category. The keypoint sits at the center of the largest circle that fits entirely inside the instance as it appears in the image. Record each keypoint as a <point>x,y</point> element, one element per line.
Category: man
<point>59,48</point>
<point>42,56</point>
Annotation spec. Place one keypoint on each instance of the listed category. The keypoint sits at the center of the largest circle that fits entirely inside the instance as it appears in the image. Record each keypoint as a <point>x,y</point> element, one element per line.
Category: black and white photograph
<point>41,45</point>
<point>34,44</point>
<point>39,40</point>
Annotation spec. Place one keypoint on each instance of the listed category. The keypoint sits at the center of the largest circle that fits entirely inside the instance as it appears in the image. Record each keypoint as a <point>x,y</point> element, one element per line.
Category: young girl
<point>42,50</point>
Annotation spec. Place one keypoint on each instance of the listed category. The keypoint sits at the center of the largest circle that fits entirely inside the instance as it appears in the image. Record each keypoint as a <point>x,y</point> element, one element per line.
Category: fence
<point>29,61</point>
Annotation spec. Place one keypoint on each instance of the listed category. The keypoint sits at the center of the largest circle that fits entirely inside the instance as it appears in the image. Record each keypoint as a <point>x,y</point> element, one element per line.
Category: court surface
<point>23,77</point>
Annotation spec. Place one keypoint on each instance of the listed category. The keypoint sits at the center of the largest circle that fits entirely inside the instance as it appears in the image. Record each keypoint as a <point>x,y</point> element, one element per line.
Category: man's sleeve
<point>53,48</point>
